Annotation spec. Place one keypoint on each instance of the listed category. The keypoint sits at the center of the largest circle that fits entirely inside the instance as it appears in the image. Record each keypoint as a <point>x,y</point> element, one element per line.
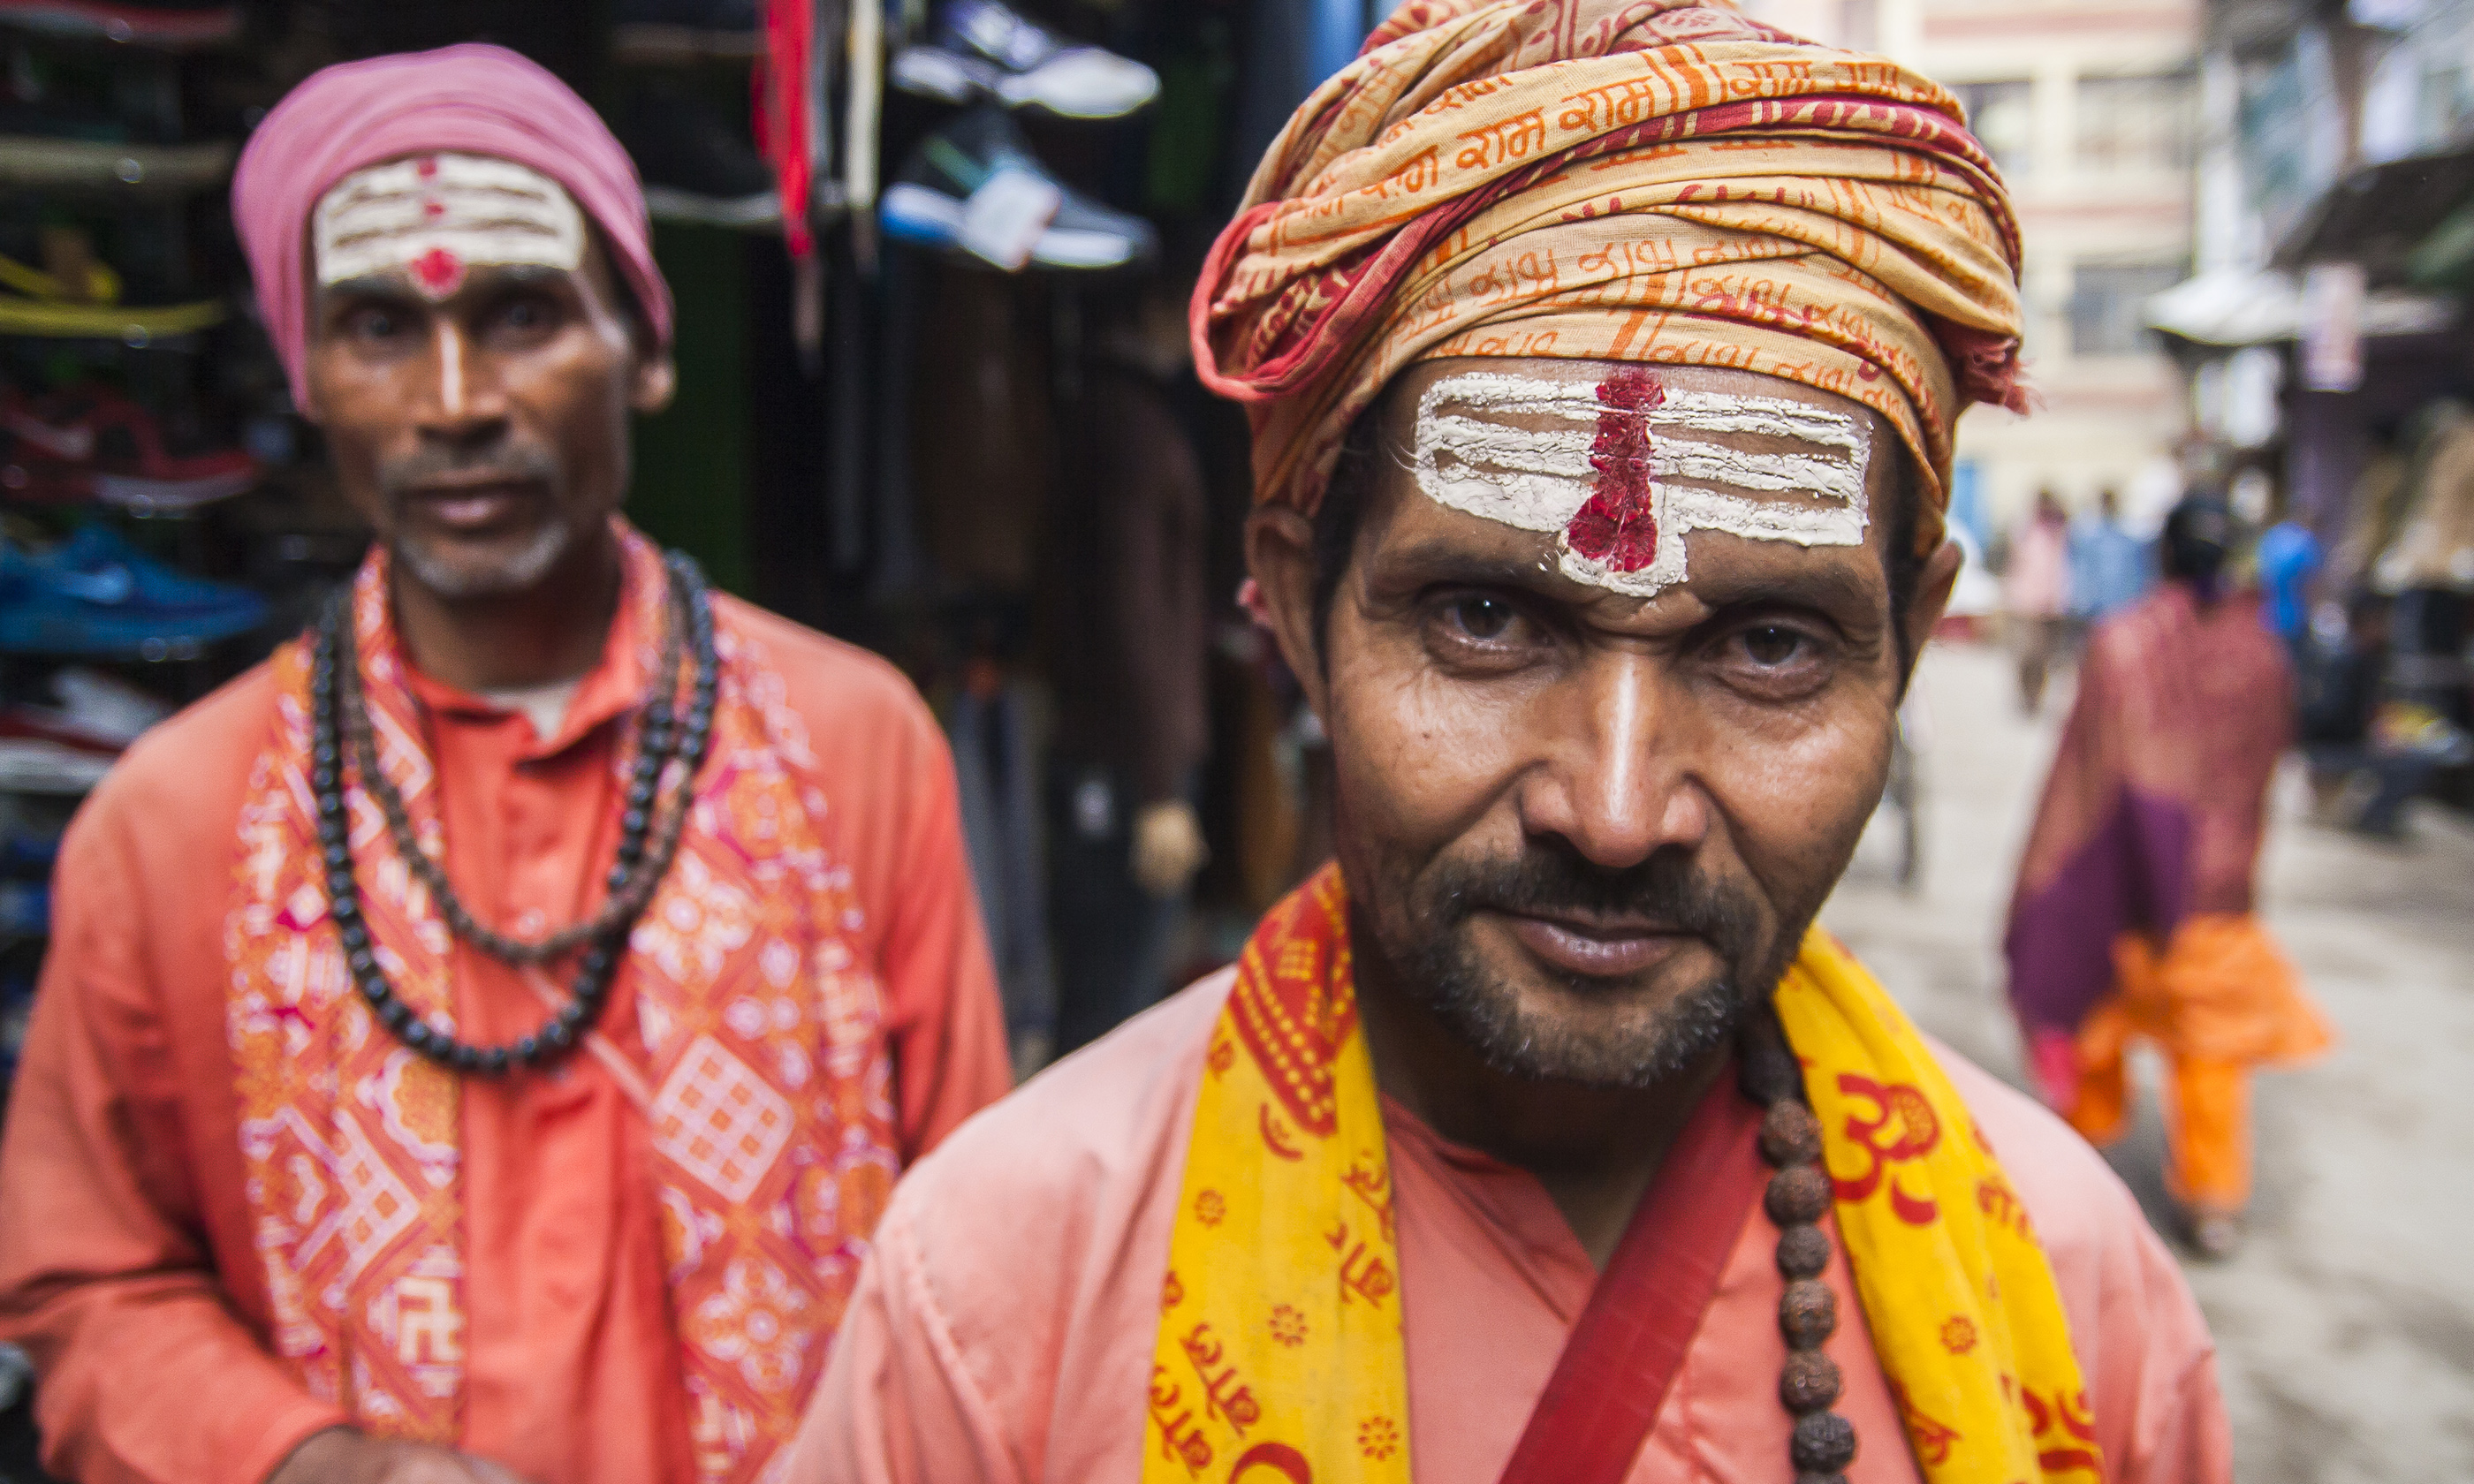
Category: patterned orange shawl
<point>1652,181</point>
<point>771,1140</point>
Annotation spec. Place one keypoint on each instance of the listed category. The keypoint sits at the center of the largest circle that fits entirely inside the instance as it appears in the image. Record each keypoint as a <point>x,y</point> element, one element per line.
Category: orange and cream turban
<point>1648,181</point>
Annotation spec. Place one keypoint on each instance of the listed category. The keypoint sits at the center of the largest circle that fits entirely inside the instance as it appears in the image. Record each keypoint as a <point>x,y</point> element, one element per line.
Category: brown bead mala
<point>1798,1199</point>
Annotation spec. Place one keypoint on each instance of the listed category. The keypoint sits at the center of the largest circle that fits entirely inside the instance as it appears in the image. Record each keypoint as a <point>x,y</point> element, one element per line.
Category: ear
<point>1932,598</point>
<point>655,382</point>
<point>1279,556</point>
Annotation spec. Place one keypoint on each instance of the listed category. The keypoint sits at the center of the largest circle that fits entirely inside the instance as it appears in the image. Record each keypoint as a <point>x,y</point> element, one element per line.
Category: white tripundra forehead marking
<point>1539,477</point>
<point>435,215</point>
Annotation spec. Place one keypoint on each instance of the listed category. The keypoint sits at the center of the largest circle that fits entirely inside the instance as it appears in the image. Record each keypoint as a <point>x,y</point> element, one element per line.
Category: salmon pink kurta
<point>172,1170</point>
<point>973,1358</point>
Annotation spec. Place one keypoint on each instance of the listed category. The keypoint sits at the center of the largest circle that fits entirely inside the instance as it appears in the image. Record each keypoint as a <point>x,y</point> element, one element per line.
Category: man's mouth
<point>470,506</point>
<point>1592,947</point>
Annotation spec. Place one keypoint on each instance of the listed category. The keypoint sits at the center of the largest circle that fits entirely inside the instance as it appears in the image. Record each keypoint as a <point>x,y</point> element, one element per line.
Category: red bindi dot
<point>1618,528</point>
<point>437,273</point>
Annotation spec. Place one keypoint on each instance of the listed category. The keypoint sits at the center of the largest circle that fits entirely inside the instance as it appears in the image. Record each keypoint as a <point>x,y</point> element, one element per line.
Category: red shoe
<point>159,23</point>
<point>46,455</point>
<point>92,443</point>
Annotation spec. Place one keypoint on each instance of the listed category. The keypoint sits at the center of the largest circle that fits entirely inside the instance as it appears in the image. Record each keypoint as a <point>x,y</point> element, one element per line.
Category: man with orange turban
<point>1603,359</point>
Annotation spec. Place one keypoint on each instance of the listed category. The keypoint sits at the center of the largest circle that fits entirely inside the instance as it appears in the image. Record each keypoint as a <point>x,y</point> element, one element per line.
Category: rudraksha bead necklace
<point>340,719</point>
<point>1798,1199</point>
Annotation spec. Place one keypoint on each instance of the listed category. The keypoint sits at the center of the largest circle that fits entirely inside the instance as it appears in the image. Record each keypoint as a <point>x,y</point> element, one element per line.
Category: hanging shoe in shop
<point>91,443</point>
<point>66,748</point>
<point>57,141</point>
<point>95,595</point>
<point>93,712</point>
<point>696,169</point>
<point>974,186</point>
<point>167,23</point>
<point>35,302</point>
<point>982,49</point>
<point>670,30</point>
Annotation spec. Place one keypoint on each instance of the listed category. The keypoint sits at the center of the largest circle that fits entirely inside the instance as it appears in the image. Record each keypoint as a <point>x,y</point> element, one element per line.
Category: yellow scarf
<point>1279,1339</point>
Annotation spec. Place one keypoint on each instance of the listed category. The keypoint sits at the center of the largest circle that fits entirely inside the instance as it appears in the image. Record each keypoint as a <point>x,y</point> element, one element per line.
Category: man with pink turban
<point>477,1044</point>
<point>1602,357</point>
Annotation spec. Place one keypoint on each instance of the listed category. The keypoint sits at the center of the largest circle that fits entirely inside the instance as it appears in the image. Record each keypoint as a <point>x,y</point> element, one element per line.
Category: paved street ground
<point>2346,1325</point>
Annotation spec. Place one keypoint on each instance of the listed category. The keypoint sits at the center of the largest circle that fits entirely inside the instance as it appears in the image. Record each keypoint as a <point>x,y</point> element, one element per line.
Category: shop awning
<point>2378,215</point>
<point>2233,307</point>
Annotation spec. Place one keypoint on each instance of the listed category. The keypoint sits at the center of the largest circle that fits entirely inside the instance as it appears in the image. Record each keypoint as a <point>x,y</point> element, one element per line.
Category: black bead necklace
<point>1799,1195</point>
<point>650,831</point>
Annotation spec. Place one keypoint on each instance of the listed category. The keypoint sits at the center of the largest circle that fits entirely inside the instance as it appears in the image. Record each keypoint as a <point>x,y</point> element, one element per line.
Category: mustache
<point>1550,878</point>
<point>512,463</point>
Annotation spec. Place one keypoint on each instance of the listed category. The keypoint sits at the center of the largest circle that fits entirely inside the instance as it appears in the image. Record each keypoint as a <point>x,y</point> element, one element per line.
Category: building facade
<point>2091,109</point>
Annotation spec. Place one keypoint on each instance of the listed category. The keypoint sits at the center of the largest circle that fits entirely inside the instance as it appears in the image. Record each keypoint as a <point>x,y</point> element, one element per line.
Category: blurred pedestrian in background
<point>2133,918</point>
<point>477,1043</point>
<point>2036,591</point>
<point>2110,568</point>
<point>2288,558</point>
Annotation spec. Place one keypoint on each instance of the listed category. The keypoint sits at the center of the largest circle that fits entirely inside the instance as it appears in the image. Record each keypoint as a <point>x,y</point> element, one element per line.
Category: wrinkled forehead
<point>435,217</point>
<point>1622,462</point>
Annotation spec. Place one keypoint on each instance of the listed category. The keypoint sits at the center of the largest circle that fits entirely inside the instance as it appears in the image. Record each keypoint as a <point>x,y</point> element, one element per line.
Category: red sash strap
<point>1614,1373</point>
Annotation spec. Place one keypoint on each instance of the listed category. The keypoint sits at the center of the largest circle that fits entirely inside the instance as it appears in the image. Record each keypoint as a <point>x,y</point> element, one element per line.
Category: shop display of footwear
<point>92,712</point>
<point>92,443</point>
<point>984,49</point>
<point>974,186</point>
<point>47,160</point>
<point>31,765</point>
<point>172,23</point>
<point>35,302</point>
<point>66,748</point>
<point>96,595</point>
<point>696,169</point>
<point>663,30</point>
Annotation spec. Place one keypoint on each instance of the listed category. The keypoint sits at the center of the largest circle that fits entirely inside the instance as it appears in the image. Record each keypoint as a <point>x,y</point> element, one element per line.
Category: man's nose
<point>460,396</point>
<point>1616,782</point>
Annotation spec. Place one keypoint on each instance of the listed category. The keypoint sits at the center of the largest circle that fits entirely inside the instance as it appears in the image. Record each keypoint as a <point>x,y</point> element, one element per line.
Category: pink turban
<point>473,99</point>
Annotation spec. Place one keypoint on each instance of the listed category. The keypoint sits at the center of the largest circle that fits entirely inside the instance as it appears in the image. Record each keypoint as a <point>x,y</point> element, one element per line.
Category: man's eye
<point>1480,617</point>
<point>374,324</point>
<point>1773,645</point>
<point>524,315</point>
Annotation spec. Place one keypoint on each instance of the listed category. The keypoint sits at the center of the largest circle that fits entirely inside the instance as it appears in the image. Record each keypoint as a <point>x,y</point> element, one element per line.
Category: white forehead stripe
<point>1537,478</point>
<point>434,215</point>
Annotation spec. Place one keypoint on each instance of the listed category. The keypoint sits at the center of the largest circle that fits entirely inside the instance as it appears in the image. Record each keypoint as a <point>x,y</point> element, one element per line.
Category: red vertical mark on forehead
<point>1617,527</point>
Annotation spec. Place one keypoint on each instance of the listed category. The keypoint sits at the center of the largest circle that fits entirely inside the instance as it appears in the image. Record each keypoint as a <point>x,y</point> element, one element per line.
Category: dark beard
<point>1440,970</point>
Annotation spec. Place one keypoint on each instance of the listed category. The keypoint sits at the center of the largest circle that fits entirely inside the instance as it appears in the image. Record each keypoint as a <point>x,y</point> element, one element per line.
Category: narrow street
<point>2345,1325</point>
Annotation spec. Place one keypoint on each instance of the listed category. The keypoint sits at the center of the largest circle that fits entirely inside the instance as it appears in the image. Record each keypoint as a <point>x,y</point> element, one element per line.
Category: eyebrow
<point>1441,559</point>
<point>1831,587</point>
<point>491,275</point>
<point>1827,586</point>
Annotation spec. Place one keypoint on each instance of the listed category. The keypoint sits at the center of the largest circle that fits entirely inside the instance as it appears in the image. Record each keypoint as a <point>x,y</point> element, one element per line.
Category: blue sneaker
<point>96,595</point>
<point>984,49</point>
<point>981,162</point>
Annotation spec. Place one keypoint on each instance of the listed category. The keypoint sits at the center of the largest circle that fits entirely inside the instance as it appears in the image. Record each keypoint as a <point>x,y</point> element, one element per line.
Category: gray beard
<point>517,574</point>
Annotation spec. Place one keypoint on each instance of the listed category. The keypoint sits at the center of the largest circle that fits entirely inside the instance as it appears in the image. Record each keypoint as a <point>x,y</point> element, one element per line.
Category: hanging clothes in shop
<point>988,723</point>
<point>1129,624</point>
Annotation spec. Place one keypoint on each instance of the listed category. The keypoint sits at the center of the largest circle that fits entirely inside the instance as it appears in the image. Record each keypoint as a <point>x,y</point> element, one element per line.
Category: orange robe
<point>1002,1331</point>
<point>129,1262</point>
